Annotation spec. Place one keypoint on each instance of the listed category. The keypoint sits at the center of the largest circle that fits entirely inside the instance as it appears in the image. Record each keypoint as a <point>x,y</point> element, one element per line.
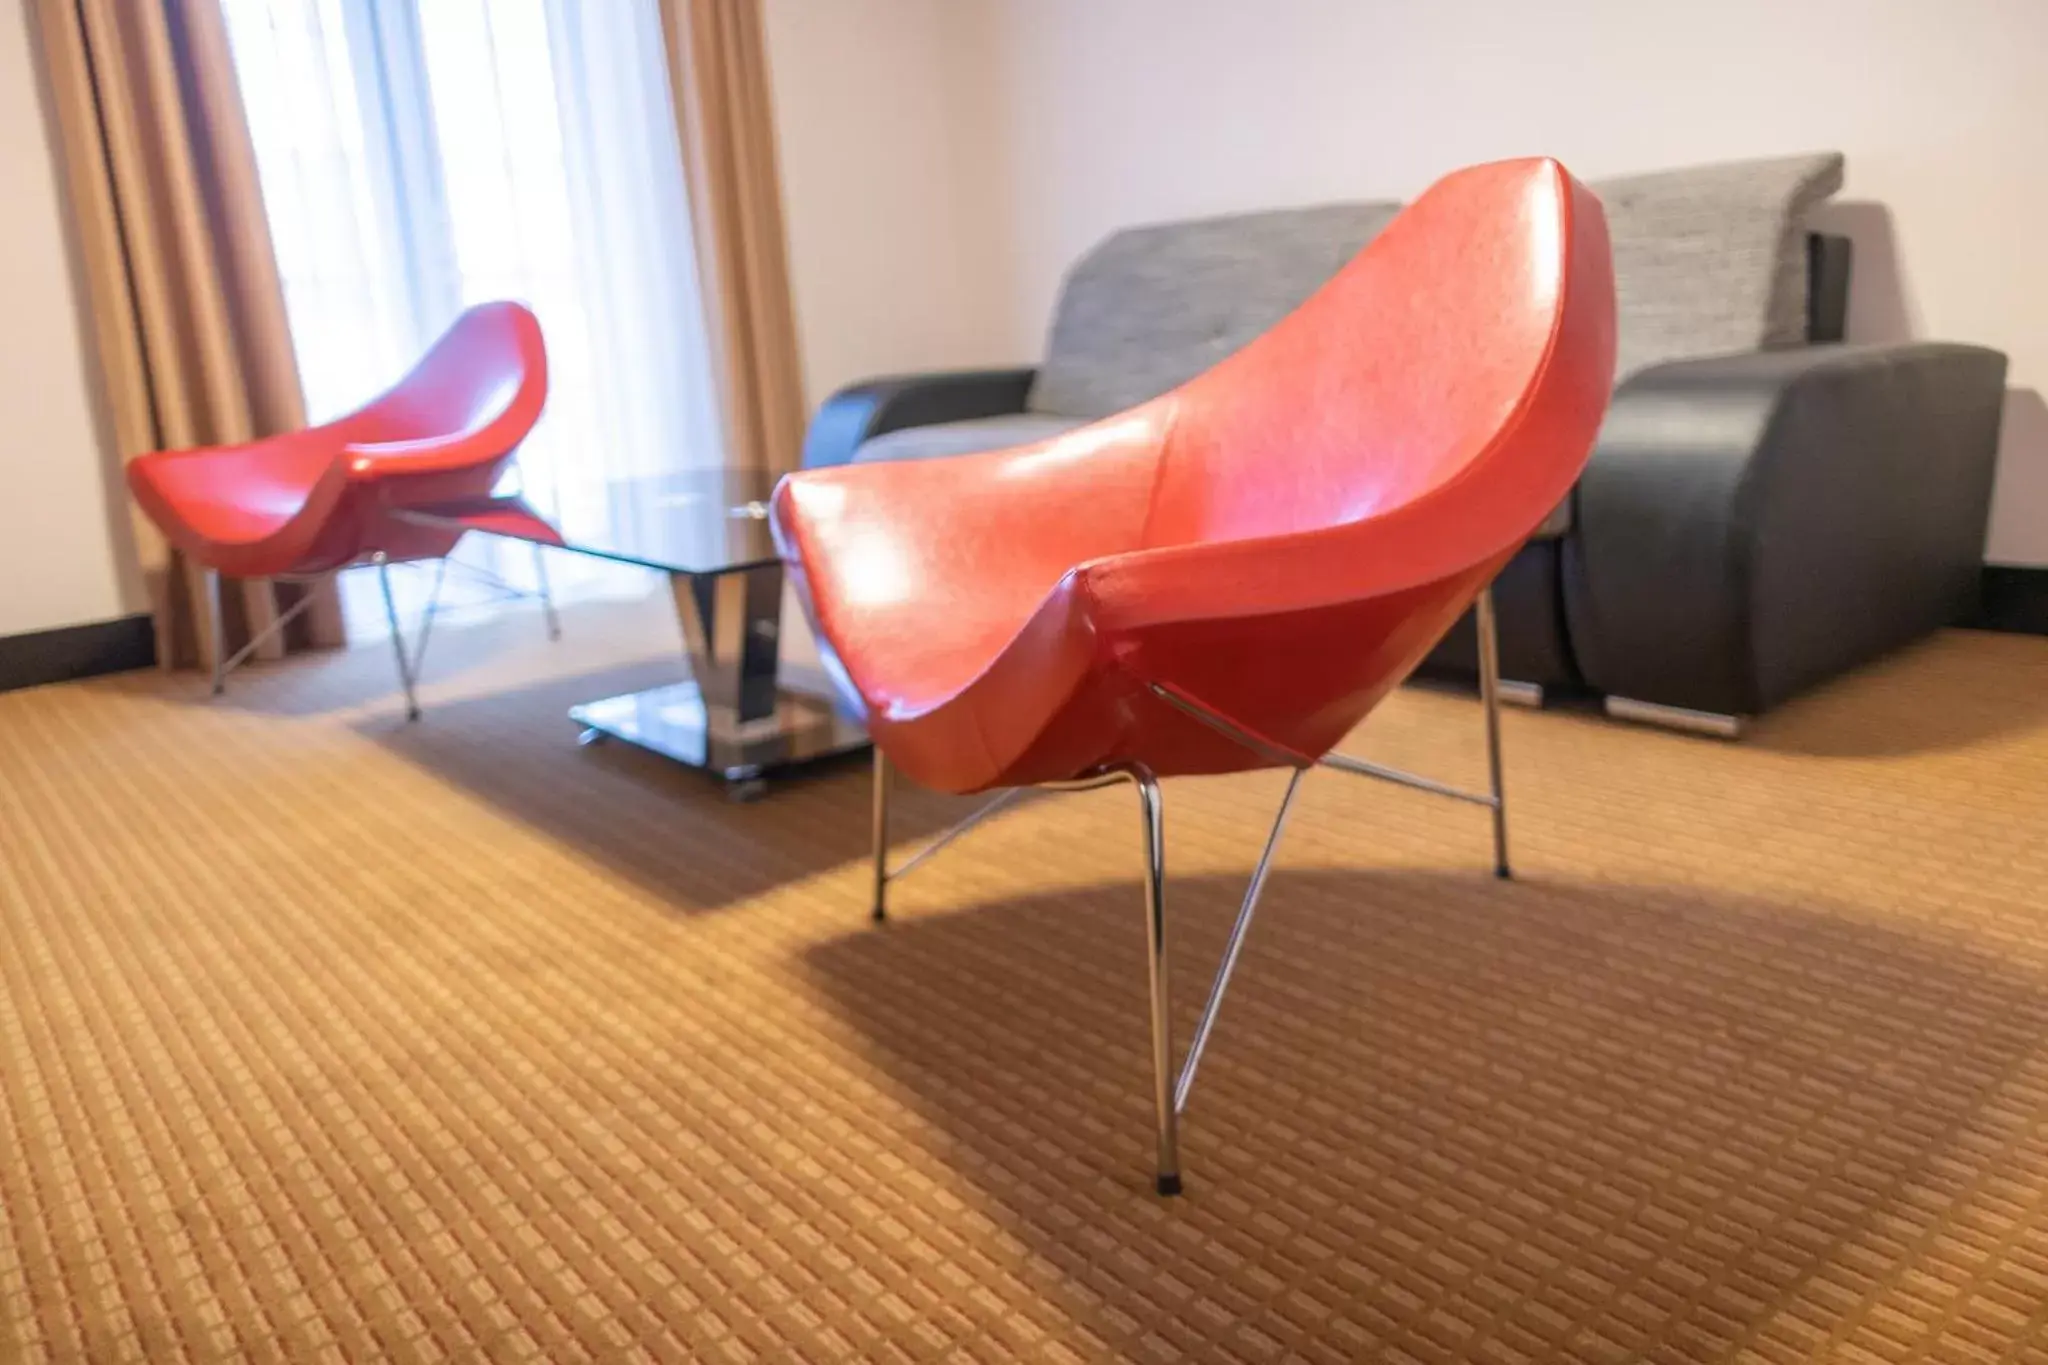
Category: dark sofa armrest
<point>861,412</point>
<point>1751,525</point>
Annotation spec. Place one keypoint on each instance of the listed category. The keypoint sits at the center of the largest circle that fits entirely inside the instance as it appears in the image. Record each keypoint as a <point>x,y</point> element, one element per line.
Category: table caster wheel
<point>746,789</point>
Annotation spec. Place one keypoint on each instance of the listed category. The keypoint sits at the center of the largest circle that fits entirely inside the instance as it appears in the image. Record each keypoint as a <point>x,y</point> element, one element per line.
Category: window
<point>418,156</point>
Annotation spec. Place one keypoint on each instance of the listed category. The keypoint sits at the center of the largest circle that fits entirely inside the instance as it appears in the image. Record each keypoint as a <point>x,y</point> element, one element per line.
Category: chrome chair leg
<point>405,671</point>
<point>881,832</point>
<point>1167,1180</point>
<point>216,647</point>
<point>547,596</point>
<point>1185,1085</point>
<point>884,874</point>
<point>1489,698</point>
<point>221,662</point>
<point>419,649</point>
<point>1171,1083</point>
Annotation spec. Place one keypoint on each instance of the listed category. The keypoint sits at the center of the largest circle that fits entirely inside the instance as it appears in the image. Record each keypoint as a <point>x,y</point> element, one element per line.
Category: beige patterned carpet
<point>329,1038</point>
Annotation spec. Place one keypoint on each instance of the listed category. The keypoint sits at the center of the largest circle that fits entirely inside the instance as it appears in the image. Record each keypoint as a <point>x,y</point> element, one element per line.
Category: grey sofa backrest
<point>1708,260</point>
<point>1711,260</point>
<point>1151,307</point>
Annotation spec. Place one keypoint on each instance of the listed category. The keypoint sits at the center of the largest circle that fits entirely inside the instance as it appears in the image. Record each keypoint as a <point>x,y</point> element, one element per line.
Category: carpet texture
<point>326,1037</point>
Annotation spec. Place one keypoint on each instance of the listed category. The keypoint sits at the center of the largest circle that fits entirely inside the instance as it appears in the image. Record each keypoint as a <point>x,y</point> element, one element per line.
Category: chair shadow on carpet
<point>1553,1111</point>
<point>645,818</point>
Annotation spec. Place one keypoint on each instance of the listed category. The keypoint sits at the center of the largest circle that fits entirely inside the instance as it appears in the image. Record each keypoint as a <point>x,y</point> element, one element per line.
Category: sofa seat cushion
<point>964,438</point>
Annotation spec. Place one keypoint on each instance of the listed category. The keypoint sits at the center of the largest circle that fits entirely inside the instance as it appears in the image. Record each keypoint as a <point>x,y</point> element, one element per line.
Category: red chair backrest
<point>1404,371</point>
<point>483,383</point>
<point>485,378</point>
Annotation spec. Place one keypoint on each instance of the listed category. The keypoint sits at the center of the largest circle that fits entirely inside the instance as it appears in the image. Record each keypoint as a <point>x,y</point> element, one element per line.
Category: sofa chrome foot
<point>1521,693</point>
<point>1676,717</point>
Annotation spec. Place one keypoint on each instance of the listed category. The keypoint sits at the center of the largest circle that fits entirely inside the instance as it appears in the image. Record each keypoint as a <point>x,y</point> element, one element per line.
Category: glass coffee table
<point>708,531</point>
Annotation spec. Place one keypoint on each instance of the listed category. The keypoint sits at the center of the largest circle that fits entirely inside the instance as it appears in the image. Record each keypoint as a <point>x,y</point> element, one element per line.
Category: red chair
<point>308,504</point>
<point>1232,575</point>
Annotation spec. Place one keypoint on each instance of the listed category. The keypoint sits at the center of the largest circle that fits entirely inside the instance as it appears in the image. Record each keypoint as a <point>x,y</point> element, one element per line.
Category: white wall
<point>58,559</point>
<point>1059,120</point>
<point>894,173</point>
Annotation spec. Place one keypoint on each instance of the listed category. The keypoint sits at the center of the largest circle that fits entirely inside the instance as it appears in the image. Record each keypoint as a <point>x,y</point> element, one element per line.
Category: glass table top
<point>694,521</point>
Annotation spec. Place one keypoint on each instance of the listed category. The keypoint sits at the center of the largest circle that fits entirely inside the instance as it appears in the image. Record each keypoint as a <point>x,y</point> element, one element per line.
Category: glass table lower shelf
<point>672,721</point>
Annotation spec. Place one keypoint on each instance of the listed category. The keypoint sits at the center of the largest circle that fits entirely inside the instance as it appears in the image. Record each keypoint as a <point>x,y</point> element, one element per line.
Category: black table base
<point>671,721</point>
<point>732,719</point>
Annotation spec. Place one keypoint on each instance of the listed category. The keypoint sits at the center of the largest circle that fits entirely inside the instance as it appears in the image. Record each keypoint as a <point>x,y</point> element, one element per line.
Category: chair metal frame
<point>1171,1085</point>
<point>409,661</point>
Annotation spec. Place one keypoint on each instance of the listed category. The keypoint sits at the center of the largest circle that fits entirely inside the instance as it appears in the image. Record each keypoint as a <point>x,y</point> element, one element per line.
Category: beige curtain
<point>718,70</point>
<point>187,313</point>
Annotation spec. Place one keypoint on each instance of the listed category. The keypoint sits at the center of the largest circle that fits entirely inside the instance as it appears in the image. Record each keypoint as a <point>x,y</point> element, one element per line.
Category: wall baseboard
<point>86,651</point>
<point>2015,600</point>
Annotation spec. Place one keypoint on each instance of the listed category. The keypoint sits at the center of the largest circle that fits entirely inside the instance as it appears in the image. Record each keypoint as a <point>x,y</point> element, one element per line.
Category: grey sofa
<point>1766,507</point>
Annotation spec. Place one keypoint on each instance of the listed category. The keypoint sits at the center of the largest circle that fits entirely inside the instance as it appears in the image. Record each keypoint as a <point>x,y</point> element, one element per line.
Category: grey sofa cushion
<point>1154,306</point>
<point>1711,260</point>
<point>963,438</point>
<point>1708,260</point>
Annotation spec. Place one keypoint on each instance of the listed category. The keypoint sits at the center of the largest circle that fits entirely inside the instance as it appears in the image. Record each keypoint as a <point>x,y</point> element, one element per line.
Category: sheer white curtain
<point>418,156</point>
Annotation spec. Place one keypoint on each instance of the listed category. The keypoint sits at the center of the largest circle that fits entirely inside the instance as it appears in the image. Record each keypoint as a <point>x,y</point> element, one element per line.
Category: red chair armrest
<point>986,514</point>
<point>887,548</point>
<point>368,461</point>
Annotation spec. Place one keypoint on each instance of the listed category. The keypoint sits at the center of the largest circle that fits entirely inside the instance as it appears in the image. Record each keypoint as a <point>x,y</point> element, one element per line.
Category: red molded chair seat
<point>248,511</point>
<point>1279,541</point>
<point>309,503</point>
<point>1232,575</point>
